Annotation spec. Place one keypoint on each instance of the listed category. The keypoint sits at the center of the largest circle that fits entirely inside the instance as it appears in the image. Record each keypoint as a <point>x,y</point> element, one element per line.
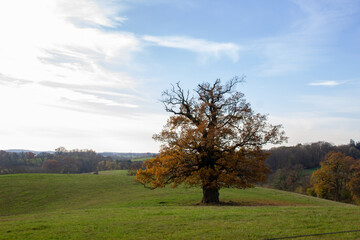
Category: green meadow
<point>112,206</point>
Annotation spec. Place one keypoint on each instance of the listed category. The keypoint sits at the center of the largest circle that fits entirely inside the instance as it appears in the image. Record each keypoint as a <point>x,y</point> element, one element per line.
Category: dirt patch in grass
<point>247,203</point>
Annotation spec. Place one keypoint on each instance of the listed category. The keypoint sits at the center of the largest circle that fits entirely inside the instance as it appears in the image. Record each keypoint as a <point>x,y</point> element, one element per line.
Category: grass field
<point>310,171</point>
<point>112,206</point>
<point>141,159</point>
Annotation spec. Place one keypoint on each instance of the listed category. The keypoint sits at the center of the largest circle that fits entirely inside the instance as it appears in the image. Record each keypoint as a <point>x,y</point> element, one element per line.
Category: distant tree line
<point>299,169</point>
<point>308,155</point>
<point>65,161</point>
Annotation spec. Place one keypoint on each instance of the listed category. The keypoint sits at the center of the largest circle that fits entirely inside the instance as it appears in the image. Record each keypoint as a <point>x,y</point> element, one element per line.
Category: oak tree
<point>213,139</point>
<point>330,181</point>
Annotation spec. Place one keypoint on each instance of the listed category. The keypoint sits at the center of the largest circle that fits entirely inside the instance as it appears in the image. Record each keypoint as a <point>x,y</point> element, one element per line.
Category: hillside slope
<point>112,206</point>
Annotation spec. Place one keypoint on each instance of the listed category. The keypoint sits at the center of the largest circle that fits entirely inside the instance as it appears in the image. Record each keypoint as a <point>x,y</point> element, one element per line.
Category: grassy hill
<point>112,206</point>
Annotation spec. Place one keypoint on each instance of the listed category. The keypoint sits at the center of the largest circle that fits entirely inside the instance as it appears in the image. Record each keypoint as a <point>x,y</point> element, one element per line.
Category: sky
<point>89,74</point>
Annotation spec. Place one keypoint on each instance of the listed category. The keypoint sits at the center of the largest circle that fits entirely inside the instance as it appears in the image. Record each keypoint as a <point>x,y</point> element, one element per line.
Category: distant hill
<point>105,154</point>
<point>24,150</point>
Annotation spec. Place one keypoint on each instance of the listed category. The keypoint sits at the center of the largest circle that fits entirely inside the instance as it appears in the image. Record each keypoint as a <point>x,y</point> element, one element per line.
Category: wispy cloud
<point>60,44</point>
<point>59,67</point>
<point>203,47</point>
<point>90,13</point>
<point>9,81</point>
<point>54,69</point>
<point>326,83</point>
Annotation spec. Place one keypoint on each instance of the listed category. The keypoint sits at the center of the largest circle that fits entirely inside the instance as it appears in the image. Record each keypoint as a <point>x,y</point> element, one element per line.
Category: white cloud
<point>89,12</point>
<point>28,122</point>
<point>40,43</point>
<point>326,83</point>
<point>200,46</point>
<point>58,83</point>
<point>54,86</point>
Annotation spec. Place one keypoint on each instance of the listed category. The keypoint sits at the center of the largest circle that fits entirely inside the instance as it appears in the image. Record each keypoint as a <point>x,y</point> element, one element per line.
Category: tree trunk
<point>210,195</point>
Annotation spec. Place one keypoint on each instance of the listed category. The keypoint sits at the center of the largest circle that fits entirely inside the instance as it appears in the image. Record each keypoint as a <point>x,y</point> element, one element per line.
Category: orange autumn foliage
<point>354,183</point>
<point>332,179</point>
<point>213,139</point>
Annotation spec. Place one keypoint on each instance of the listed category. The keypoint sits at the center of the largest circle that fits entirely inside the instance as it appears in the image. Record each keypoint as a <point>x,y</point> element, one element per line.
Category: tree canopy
<point>213,139</point>
<point>331,180</point>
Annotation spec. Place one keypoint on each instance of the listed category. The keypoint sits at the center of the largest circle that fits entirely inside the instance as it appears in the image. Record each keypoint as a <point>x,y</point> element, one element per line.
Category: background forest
<point>300,168</point>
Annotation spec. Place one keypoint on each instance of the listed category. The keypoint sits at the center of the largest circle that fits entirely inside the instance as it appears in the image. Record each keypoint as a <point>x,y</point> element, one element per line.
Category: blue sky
<point>89,74</point>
